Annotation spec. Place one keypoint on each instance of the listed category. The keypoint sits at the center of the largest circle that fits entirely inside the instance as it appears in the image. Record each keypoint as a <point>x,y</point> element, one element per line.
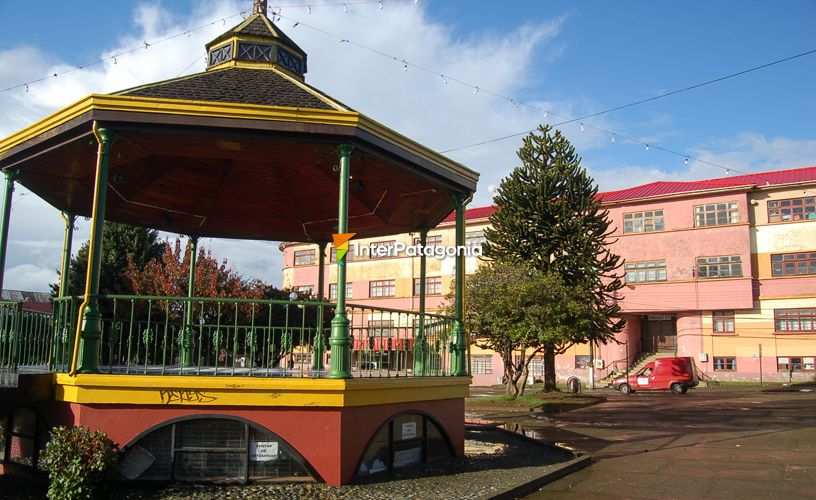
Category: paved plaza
<point>706,444</point>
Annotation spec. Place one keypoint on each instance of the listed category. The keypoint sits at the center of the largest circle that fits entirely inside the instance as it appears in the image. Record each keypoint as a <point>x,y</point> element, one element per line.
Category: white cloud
<point>415,102</point>
<point>745,152</point>
<point>29,277</point>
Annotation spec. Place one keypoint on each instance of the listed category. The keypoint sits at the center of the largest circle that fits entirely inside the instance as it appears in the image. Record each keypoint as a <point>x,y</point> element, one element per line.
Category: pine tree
<point>549,217</point>
<point>120,243</point>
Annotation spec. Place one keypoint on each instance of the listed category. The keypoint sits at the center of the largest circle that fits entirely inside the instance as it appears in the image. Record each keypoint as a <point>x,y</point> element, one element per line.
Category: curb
<point>535,484</point>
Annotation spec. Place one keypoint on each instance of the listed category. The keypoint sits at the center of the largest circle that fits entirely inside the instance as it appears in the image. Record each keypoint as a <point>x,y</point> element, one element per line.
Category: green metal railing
<point>246,337</point>
<point>25,336</point>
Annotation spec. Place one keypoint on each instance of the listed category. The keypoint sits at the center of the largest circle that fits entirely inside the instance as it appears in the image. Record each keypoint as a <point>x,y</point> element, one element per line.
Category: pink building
<point>723,270</point>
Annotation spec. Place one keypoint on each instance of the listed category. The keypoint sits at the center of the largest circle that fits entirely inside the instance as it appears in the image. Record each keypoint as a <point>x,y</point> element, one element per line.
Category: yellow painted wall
<point>756,327</point>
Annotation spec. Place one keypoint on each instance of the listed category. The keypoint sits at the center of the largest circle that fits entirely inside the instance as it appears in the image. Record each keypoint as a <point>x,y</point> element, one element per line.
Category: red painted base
<point>331,440</point>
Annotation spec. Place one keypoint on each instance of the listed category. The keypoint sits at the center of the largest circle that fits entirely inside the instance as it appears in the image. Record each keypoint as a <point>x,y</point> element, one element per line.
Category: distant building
<point>32,301</point>
<point>723,270</point>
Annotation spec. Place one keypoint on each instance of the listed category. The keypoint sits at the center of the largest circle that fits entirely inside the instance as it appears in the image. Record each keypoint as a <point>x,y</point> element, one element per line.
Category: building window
<point>433,286</point>
<point>792,209</point>
<point>725,364</point>
<point>716,214</point>
<point>723,321</point>
<point>536,367</point>
<point>305,290</point>
<point>380,328</point>
<point>582,362</point>
<point>793,264</point>
<point>382,288</point>
<point>729,266</point>
<point>642,272</point>
<point>304,257</point>
<point>333,291</point>
<point>643,222</point>
<point>795,363</point>
<point>430,241</point>
<point>481,364</point>
<point>474,239</point>
<point>795,320</point>
<point>382,249</point>
<point>333,255</point>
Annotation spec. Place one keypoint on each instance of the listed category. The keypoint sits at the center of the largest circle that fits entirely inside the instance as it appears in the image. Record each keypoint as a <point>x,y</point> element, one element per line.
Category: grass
<point>527,400</point>
<point>533,400</point>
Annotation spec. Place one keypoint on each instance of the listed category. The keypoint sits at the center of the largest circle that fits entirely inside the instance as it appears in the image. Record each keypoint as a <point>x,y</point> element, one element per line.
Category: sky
<point>554,58</point>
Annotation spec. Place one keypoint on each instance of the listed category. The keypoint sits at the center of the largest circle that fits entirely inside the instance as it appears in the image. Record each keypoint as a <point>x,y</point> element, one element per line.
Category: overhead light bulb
<point>685,161</point>
<point>345,8</point>
<point>546,114</point>
<point>308,9</point>
<point>582,127</point>
<point>613,137</point>
<point>647,147</point>
<point>381,5</point>
<point>476,91</point>
<point>404,66</point>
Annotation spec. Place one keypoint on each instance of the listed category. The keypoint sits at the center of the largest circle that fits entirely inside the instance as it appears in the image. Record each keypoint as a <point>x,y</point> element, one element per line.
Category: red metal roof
<point>659,188</point>
<point>671,187</point>
<point>472,213</point>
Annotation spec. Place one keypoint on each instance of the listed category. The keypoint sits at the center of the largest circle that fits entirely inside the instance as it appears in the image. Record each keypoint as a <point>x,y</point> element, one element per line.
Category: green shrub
<point>79,462</point>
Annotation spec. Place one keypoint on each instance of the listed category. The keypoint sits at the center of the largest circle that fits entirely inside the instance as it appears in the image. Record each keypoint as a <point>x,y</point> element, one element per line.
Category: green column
<point>319,339</point>
<point>67,242</point>
<point>186,340</point>
<point>340,340</point>
<point>62,311</point>
<point>458,344</point>
<point>4,224</point>
<point>88,357</point>
<point>420,344</point>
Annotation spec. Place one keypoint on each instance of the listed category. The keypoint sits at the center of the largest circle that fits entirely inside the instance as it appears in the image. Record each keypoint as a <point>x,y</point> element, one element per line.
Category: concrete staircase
<point>642,360</point>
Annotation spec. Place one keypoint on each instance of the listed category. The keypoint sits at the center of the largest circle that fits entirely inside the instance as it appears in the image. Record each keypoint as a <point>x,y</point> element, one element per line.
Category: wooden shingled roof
<point>241,86</point>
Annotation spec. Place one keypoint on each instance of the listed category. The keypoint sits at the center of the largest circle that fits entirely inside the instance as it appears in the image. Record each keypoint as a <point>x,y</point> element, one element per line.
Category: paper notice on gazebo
<point>263,451</point>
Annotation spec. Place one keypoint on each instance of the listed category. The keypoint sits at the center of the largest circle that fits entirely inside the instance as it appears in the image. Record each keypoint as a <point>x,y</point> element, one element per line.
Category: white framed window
<point>716,214</point>
<point>643,222</point>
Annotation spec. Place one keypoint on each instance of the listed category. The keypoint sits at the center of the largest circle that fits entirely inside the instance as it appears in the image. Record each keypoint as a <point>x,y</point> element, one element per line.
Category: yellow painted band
<point>232,110</point>
<point>245,391</point>
<point>180,107</point>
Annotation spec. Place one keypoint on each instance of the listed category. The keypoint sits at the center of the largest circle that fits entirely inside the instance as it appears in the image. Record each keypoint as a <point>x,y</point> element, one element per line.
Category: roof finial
<point>259,7</point>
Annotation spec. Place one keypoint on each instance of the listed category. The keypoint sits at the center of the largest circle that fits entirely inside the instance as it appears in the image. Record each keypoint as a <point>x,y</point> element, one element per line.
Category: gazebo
<point>244,150</point>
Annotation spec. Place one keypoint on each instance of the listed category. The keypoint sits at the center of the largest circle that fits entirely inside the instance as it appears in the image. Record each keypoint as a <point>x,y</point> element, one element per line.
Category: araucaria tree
<point>517,311</point>
<point>549,217</point>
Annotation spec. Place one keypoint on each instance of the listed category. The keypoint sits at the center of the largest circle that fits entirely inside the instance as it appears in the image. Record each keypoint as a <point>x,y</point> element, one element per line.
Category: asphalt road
<point>704,444</point>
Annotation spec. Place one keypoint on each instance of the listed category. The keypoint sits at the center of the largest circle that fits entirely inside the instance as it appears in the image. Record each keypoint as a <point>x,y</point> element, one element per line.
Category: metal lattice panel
<point>256,52</point>
<point>290,61</point>
<point>221,54</point>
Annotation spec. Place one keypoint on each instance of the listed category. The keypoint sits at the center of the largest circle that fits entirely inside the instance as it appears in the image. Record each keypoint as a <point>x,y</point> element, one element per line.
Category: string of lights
<point>565,120</point>
<point>186,33</point>
<point>476,89</point>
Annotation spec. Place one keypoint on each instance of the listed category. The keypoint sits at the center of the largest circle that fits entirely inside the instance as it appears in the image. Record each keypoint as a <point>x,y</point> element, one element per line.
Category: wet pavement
<point>705,444</point>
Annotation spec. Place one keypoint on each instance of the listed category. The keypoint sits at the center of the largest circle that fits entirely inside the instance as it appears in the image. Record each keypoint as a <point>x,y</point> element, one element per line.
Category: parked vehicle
<point>675,374</point>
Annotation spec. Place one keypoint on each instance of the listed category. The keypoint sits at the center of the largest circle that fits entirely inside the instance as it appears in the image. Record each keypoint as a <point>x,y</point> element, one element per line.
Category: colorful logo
<point>342,246</point>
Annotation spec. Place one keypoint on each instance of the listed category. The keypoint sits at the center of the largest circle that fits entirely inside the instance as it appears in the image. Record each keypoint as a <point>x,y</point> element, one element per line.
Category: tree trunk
<point>508,375</point>
<point>549,367</point>
<point>524,373</point>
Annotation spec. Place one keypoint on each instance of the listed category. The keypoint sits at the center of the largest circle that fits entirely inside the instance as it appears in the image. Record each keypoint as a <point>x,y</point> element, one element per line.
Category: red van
<point>675,374</point>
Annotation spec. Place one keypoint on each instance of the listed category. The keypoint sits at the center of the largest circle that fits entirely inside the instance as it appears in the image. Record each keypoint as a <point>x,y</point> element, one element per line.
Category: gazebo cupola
<point>256,43</point>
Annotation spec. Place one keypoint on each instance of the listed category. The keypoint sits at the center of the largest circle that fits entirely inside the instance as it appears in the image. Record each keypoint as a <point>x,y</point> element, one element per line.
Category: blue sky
<point>569,57</point>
